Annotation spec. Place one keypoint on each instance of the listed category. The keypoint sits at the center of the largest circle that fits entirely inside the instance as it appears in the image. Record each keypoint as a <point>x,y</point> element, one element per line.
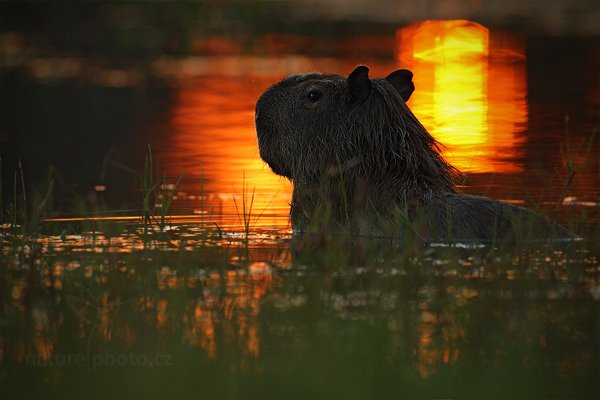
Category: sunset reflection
<point>214,143</point>
<point>225,312</point>
<point>470,91</point>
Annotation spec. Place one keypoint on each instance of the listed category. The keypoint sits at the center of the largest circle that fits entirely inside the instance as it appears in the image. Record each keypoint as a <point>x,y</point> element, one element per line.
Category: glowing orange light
<point>213,125</point>
<point>470,93</point>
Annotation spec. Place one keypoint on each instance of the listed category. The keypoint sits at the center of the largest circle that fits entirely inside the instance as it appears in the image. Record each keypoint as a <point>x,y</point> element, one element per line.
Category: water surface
<point>223,303</point>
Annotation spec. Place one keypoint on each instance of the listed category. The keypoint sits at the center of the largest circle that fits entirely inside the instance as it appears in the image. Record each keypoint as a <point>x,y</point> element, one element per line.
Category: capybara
<point>361,162</point>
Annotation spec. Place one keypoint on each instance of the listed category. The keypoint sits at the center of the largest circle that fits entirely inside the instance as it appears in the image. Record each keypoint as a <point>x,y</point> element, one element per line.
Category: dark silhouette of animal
<point>361,162</point>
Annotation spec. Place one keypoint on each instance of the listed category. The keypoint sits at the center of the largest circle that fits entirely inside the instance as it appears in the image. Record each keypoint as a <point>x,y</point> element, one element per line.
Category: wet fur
<point>361,162</point>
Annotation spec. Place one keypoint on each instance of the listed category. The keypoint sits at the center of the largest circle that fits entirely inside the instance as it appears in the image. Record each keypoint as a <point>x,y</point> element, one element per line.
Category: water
<point>507,121</point>
<point>97,315</point>
<point>98,306</point>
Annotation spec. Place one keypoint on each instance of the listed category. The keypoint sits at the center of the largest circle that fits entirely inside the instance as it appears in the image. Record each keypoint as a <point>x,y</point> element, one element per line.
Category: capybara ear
<point>359,84</point>
<point>402,81</point>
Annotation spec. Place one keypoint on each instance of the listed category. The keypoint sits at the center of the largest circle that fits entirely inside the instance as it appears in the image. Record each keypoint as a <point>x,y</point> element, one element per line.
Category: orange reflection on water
<point>470,91</point>
<point>235,314</point>
<point>214,142</point>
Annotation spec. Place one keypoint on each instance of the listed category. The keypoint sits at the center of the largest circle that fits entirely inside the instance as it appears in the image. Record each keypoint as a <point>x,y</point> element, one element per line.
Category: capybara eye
<point>314,95</point>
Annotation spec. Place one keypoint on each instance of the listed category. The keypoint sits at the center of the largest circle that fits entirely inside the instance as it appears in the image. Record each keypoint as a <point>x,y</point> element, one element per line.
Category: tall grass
<point>152,191</point>
<point>244,211</point>
<point>569,158</point>
<point>17,209</point>
<point>24,212</point>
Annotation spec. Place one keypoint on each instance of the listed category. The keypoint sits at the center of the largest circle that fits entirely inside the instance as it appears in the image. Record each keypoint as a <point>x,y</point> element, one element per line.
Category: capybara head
<point>310,125</point>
